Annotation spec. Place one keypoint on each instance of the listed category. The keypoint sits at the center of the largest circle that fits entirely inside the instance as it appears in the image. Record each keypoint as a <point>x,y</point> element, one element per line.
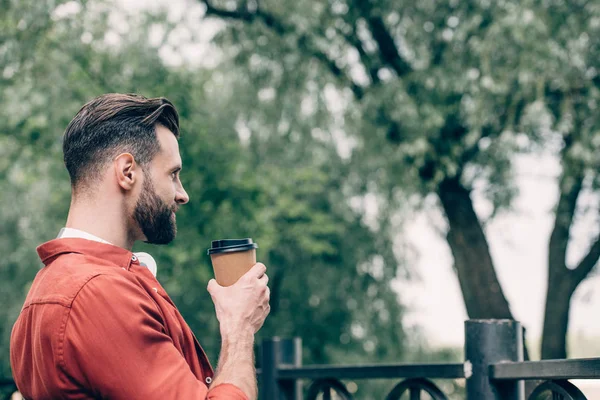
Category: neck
<point>102,220</point>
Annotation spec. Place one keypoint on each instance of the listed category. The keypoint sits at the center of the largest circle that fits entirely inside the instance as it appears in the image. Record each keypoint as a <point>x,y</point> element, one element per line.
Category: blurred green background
<point>299,118</point>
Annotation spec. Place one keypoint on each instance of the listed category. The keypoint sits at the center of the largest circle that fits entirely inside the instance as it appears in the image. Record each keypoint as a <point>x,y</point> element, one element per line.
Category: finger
<point>264,289</point>
<point>258,270</point>
<point>264,279</point>
<point>213,286</point>
<point>268,294</point>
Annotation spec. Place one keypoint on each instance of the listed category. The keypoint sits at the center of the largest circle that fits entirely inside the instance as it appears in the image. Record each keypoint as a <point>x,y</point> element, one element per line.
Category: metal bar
<point>269,387</point>
<point>488,342</point>
<point>383,371</point>
<point>585,368</point>
<point>290,351</point>
<point>415,394</point>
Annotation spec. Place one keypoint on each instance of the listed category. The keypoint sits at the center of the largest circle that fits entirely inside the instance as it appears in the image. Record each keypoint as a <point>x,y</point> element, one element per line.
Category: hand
<point>244,306</point>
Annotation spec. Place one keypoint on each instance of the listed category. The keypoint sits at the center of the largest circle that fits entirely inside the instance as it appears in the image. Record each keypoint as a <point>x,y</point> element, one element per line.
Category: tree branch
<point>303,41</point>
<point>587,263</point>
<point>570,187</point>
<point>247,16</point>
<point>441,45</point>
<point>354,41</point>
<point>387,46</point>
<point>370,62</point>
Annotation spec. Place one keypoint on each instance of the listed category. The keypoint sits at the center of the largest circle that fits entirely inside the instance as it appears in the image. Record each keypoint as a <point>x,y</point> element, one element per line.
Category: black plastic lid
<point>231,245</point>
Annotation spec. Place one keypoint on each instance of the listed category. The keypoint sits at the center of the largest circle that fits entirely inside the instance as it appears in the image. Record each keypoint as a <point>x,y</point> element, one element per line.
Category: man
<point>96,323</point>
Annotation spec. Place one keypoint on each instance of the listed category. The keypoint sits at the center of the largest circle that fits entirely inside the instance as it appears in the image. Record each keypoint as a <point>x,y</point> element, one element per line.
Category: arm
<point>241,310</point>
<point>115,346</point>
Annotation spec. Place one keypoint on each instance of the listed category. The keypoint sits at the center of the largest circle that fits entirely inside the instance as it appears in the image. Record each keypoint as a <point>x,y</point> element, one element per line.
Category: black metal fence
<point>493,370</point>
<point>7,388</point>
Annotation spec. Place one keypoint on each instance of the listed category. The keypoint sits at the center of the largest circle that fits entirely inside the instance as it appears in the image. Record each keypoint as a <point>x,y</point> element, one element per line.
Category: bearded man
<point>96,323</point>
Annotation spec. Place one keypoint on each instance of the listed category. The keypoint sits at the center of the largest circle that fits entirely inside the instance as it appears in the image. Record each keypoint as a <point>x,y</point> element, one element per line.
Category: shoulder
<point>113,288</point>
<point>61,281</point>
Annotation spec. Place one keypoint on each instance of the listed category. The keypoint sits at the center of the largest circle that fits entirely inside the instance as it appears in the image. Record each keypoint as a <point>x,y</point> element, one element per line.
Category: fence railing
<point>493,370</point>
<point>7,387</point>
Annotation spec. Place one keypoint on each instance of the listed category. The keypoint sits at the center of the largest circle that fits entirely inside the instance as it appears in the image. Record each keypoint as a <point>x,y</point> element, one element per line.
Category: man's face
<point>162,192</point>
<point>155,218</point>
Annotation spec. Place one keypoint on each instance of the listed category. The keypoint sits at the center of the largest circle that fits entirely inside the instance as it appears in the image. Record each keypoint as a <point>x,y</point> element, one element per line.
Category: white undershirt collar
<point>145,259</point>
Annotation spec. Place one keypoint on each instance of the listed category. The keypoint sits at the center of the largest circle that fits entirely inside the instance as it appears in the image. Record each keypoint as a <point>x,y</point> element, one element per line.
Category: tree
<point>436,96</point>
<point>312,240</point>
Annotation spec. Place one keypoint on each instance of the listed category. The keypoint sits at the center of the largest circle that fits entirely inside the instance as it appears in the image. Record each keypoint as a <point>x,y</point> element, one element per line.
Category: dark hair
<point>111,124</point>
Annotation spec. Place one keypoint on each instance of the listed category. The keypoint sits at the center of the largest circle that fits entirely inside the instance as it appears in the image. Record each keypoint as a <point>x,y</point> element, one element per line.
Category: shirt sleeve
<point>116,346</point>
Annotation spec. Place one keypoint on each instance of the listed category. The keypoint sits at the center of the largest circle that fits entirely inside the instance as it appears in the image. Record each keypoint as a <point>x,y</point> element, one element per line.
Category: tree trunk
<point>562,281</point>
<point>481,290</point>
<point>556,316</point>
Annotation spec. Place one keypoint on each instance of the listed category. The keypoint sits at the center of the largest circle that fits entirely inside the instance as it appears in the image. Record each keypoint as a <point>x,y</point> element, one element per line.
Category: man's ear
<point>126,171</point>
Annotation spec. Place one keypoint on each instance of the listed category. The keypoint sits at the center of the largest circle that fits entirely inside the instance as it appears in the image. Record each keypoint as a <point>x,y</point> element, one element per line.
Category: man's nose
<point>181,196</point>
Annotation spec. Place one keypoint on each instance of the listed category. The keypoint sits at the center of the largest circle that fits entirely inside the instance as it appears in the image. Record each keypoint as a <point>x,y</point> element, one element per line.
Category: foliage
<point>330,271</point>
<point>436,98</point>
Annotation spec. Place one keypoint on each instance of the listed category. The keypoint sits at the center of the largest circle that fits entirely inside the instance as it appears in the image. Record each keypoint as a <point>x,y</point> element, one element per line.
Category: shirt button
<point>208,380</point>
<point>133,258</point>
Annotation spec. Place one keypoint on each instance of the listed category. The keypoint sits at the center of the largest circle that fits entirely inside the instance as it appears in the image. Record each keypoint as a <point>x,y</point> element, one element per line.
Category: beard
<point>154,217</point>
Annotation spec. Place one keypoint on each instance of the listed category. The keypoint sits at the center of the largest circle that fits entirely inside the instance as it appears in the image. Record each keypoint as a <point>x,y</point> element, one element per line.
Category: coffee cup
<point>232,258</point>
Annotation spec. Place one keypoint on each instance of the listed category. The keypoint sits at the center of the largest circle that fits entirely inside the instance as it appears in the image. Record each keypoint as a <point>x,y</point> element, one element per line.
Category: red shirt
<point>97,324</point>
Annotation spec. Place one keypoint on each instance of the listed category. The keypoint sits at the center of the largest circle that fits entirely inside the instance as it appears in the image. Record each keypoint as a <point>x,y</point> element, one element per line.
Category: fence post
<point>275,352</point>
<point>291,354</point>
<point>489,341</point>
<point>269,389</point>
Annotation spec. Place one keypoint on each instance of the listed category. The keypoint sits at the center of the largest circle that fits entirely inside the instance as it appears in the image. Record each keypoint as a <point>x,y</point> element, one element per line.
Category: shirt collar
<point>145,259</point>
<point>108,252</point>
<point>77,233</point>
